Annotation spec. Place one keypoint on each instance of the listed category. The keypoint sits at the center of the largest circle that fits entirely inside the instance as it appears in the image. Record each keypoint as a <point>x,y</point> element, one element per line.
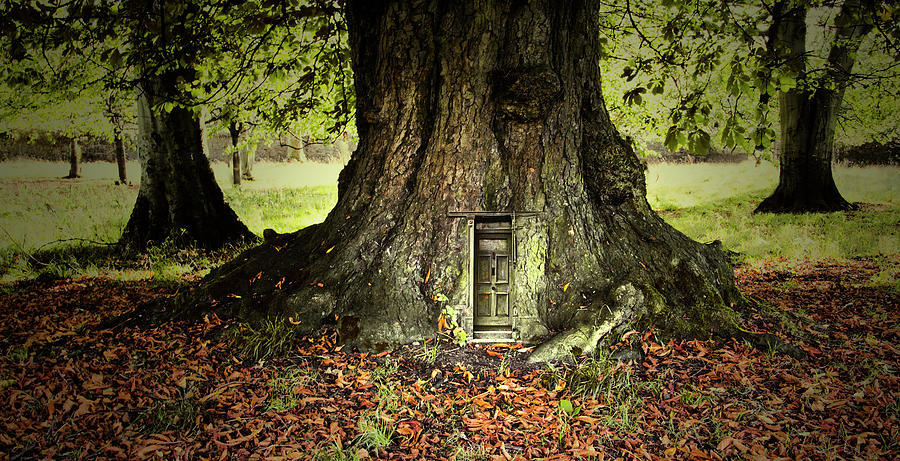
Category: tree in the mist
<point>163,50</point>
<point>52,86</point>
<point>118,109</point>
<point>301,90</point>
<point>179,199</point>
<point>492,106</point>
<point>683,46</point>
<point>809,112</point>
<point>169,53</point>
<point>72,117</point>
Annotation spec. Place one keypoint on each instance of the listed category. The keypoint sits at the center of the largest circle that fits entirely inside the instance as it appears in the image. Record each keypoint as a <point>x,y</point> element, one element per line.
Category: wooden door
<point>492,278</point>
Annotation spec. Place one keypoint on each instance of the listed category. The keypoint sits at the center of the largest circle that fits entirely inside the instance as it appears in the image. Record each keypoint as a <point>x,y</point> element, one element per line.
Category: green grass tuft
<point>604,379</point>
<point>283,389</point>
<point>591,377</point>
<point>183,414</point>
<point>273,337</point>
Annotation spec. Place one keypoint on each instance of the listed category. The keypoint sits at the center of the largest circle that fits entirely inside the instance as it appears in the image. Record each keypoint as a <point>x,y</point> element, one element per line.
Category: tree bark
<point>234,129</point>
<point>247,156</point>
<point>179,198</point>
<point>297,148</point>
<point>490,107</point>
<point>74,159</point>
<point>808,115</point>
<point>120,157</point>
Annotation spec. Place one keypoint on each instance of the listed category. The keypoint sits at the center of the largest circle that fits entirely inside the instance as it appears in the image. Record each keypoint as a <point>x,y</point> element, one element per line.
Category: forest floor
<point>827,283</point>
<point>182,390</point>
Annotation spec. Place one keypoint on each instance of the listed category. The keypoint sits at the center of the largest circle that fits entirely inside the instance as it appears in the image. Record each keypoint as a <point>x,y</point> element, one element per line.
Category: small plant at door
<point>447,321</point>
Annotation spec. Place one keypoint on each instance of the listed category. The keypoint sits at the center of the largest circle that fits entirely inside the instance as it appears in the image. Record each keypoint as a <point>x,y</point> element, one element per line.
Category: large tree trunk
<point>466,108</point>
<point>179,198</point>
<point>74,159</point>
<point>808,115</point>
<point>120,157</point>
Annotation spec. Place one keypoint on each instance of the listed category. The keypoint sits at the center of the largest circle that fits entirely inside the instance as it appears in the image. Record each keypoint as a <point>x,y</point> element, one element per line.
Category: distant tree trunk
<point>490,107</point>
<point>234,129</point>
<point>247,158</point>
<point>179,198</point>
<point>297,149</point>
<point>120,157</point>
<point>74,159</point>
<point>809,115</point>
<point>342,148</point>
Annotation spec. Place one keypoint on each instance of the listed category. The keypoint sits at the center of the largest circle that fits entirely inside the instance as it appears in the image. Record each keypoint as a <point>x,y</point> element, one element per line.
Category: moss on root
<point>637,306</point>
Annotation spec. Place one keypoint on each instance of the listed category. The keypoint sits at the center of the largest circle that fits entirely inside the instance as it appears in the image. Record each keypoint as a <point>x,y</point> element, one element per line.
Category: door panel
<point>483,269</point>
<point>502,273</point>
<point>502,301</point>
<point>492,279</point>
<point>483,302</point>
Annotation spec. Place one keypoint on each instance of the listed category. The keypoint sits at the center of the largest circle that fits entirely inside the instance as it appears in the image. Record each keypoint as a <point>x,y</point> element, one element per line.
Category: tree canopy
<point>274,63</point>
<point>695,74</point>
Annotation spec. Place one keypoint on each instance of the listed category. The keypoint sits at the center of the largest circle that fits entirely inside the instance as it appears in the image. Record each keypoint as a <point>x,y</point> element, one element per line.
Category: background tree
<point>670,56</point>
<point>119,111</point>
<point>168,51</point>
<point>69,115</point>
<point>179,199</point>
<point>490,106</point>
<point>299,86</point>
<point>809,111</point>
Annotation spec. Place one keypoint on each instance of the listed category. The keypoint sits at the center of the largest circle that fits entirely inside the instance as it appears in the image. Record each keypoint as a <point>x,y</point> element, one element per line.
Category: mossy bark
<point>179,199</point>
<point>492,106</point>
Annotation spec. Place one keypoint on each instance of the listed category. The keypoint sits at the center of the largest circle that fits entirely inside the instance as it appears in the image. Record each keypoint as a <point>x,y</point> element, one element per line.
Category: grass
<point>271,338</point>
<point>57,228</point>
<point>716,202</point>
<point>182,414</point>
<point>283,389</point>
<point>376,427</point>
<point>598,378</point>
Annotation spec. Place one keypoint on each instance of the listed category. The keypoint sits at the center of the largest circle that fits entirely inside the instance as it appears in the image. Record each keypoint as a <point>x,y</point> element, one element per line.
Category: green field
<point>54,226</point>
<point>715,202</point>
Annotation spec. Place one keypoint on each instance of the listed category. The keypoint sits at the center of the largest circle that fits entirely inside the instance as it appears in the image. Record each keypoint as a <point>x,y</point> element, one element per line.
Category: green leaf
<point>787,82</point>
<point>672,139</point>
<point>115,59</point>
<point>701,142</point>
<point>566,407</point>
<point>633,97</point>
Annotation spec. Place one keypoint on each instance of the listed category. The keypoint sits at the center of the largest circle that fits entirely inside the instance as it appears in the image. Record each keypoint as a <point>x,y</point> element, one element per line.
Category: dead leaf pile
<point>178,391</point>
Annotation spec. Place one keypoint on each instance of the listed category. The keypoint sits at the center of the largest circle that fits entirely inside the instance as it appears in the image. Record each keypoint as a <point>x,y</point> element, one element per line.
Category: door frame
<point>502,225</point>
